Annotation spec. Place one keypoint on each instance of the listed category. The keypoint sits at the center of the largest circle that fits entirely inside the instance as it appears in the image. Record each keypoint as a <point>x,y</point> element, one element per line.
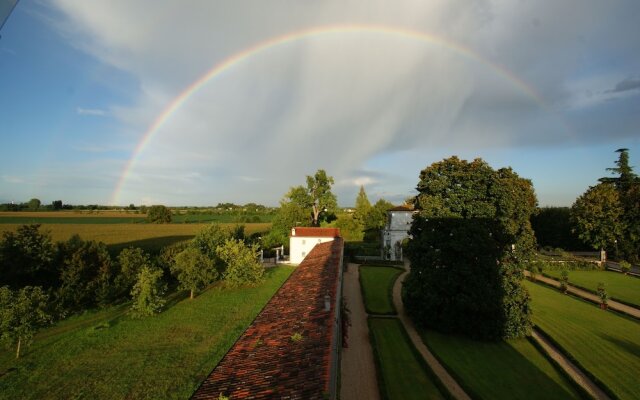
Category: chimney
<point>293,231</point>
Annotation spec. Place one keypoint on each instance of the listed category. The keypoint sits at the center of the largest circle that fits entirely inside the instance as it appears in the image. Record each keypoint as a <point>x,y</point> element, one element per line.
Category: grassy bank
<point>619,286</point>
<point>107,355</point>
<point>605,344</point>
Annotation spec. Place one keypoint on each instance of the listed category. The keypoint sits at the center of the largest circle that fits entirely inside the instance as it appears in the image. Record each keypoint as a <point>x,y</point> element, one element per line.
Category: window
<point>304,241</point>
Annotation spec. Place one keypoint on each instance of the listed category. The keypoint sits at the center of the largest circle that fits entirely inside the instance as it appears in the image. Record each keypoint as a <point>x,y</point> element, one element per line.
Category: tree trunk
<point>18,350</point>
<point>191,297</point>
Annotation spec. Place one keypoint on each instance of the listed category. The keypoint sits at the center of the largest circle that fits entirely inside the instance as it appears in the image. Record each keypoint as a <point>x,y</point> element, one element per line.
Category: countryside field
<point>604,343</point>
<point>619,286</point>
<point>106,354</point>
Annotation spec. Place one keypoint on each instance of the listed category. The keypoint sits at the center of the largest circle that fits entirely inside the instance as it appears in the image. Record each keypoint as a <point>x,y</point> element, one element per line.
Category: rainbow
<point>271,43</point>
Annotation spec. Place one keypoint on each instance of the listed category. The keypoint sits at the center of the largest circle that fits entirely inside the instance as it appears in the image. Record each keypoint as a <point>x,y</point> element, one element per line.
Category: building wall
<point>396,230</point>
<point>300,246</point>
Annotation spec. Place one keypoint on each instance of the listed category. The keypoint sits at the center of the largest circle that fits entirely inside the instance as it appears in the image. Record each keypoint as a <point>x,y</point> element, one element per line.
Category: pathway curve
<point>571,369</point>
<point>358,371</point>
<point>447,380</point>
<point>614,305</point>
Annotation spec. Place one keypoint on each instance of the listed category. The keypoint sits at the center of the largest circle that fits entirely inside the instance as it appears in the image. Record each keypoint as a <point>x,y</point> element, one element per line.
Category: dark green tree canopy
<point>471,230</point>
<point>159,215</point>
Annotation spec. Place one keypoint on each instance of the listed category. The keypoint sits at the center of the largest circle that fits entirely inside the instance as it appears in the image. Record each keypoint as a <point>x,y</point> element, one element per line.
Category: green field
<point>106,355</point>
<point>402,373</point>
<point>605,344</point>
<point>377,288</point>
<point>512,369</point>
<point>150,237</point>
<point>619,286</point>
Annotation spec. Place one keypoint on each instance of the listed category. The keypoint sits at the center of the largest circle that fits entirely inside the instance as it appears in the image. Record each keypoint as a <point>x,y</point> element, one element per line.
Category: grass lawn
<point>107,355</point>
<point>619,286</point>
<point>377,287</point>
<point>401,372</point>
<point>150,237</point>
<point>512,369</point>
<point>605,344</point>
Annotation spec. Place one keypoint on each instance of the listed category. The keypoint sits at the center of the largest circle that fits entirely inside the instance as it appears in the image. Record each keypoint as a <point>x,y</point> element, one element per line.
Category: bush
<point>625,267</point>
<point>242,265</point>
<point>564,281</point>
<point>147,292</point>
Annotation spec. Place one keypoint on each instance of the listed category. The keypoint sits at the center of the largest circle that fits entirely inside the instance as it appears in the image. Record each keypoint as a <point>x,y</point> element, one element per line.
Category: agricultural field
<point>619,286</point>
<point>150,237</point>
<point>377,286</point>
<point>106,354</point>
<point>512,369</point>
<point>402,373</point>
<point>605,344</point>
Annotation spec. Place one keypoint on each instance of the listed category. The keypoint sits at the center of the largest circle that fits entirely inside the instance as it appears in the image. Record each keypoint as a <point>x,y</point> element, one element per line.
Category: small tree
<point>564,281</point>
<point>597,216</point>
<point>22,314</point>
<point>34,204</point>
<point>193,270</point>
<point>242,265</point>
<point>159,215</point>
<point>603,295</point>
<point>131,261</point>
<point>147,292</point>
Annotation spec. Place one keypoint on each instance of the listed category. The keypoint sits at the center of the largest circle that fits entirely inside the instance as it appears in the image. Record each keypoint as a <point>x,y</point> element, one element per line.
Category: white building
<point>395,231</point>
<point>303,240</point>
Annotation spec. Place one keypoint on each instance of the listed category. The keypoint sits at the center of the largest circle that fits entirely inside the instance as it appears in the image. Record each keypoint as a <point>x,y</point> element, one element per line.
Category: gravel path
<point>614,305</point>
<point>576,374</point>
<point>358,372</point>
<point>435,365</point>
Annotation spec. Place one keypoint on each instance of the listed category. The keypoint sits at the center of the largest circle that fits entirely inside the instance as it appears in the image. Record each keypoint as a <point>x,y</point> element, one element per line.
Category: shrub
<point>625,267</point>
<point>147,292</point>
<point>242,265</point>
<point>193,270</point>
<point>602,294</point>
<point>564,281</point>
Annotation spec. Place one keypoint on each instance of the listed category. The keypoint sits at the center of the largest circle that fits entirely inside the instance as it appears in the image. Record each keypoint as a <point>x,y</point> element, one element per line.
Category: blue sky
<point>83,81</point>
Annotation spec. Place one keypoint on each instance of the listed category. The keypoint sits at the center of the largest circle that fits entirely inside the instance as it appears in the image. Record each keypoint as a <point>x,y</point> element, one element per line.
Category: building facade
<point>395,232</point>
<point>304,239</point>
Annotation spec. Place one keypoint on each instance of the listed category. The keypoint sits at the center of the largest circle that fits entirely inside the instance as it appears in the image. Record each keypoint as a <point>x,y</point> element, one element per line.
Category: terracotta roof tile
<point>265,362</point>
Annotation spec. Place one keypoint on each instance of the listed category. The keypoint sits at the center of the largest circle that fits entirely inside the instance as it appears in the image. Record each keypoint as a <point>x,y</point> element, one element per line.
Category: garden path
<point>447,380</point>
<point>358,372</point>
<point>614,305</point>
<point>571,369</point>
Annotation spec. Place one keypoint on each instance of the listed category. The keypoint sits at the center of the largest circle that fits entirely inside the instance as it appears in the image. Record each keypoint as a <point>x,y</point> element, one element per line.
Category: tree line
<point>42,281</point>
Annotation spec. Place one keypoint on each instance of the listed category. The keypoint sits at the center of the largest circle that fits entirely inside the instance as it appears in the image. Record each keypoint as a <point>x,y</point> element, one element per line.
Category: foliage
<point>378,215</point>
<point>131,261</point>
<point>87,275</point>
<point>242,264</point>
<point>363,207</point>
<point>34,204</point>
<point>471,231</point>
<point>164,357</point>
<point>625,266</point>
<point>351,228</point>
<point>564,281</point>
<point>147,292</point>
<point>194,270</point>
<point>159,214</point>
<point>602,293</point>
<point>22,314</point>
<point>597,216</point>
<point>26,257</point>
<point>552,227</point>
<point>316,199</point>
<point>626,177</point>
<point>289,215</point>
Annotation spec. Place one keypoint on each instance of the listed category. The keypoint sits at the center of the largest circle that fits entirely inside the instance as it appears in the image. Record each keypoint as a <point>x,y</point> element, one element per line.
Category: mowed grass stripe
<point>619,286</point>
<point>605,344</point>
<point>401,373</point>
<point>512,369</point>
<point>107,355</point>
<point>377,288</point>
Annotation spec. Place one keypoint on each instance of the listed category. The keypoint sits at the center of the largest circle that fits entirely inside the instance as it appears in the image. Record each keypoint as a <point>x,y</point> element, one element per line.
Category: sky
<point>201,102</point>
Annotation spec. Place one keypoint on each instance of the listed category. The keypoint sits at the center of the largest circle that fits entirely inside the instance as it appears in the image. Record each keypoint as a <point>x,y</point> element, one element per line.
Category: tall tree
<point>22,314</point>
<point>159,215</point>
<point>147,292</point>
<point>597,216</point>
<point>469,236</point>
<point>26,257</point>
<point>316,197</point>
<point>626,176</point>
<point>363,206</point>
<point>193,270</point>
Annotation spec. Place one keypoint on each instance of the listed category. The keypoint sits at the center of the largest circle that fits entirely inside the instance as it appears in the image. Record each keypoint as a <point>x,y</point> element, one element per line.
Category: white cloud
<point>337,101</point>
<point>91,111</point>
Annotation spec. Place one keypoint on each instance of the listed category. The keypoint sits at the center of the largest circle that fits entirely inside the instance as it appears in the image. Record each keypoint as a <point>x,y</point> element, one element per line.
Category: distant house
<point>303,240</point>
<point>395,231</point>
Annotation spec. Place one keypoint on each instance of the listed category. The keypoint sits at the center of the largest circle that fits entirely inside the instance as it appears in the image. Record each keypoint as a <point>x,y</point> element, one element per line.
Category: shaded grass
<point>605,344</point>
<point>512,369</point>
<point>151,237</point>
<point>402,373</point>
<point>107,355</point>
<point>377,288</point>
<point>619,286</point>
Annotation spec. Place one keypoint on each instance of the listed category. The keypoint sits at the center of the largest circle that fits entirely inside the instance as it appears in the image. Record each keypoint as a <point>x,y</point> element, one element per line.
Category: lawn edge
<point>394,311</point>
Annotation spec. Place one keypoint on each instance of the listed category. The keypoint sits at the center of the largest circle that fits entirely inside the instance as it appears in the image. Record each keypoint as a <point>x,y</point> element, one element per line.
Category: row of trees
<point>41,281</point>
<point>607,215</point>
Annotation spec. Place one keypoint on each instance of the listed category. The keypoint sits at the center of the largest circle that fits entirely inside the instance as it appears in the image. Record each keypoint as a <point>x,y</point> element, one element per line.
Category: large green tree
<point>242,265</point>
<point>159,214</point>
<point>27,258</point>
<point>34,204</point>
<point>470,235</point>
<point>316,198</point>
<point>194,270</point>
<point>22,313</point>
<point>597,216</point>
<point>363,207</point>
<point>147,292</point>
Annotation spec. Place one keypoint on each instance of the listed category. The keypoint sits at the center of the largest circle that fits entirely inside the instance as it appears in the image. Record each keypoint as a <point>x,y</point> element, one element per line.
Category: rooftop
<point>267,361</point>
<point>299,231</point>
<point>401,208</point>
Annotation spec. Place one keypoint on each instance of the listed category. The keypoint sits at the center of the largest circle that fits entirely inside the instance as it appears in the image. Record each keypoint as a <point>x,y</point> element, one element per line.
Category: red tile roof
<point>265,362</point>
<point>315,232</point>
